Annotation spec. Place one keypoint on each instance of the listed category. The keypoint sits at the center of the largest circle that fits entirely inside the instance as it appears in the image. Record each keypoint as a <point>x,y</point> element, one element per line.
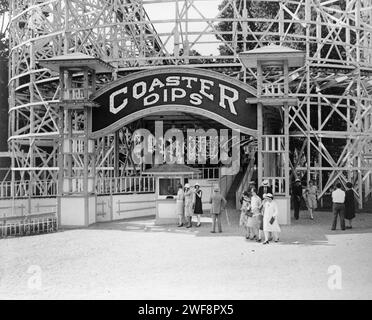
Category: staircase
<point>231,195</point>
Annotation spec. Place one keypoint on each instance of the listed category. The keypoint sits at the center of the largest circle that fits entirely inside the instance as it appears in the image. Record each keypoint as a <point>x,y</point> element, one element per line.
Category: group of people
<point>310,195</point>
<point>343,202</point>
<point>343,205</point>
<point>259,214</point>
<point>189,203</point>
<point>259,210</point>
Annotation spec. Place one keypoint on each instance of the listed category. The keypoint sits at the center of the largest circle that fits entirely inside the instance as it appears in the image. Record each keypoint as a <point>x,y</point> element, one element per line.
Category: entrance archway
<point>197,91</point>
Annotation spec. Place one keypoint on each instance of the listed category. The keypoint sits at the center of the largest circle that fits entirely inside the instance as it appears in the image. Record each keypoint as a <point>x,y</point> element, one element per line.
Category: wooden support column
<point>60,161</point>
<point>86,167</point>
<point>68,142</point>
<point>359,102</point>
<point>286,128</point>
<point>116,154</point>
<point>259,126</point>
<point>286,147</point>
<point>259,143</point>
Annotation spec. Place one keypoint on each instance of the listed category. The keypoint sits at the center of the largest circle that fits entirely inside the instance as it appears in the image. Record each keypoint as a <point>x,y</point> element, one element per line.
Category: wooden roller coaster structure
<point>330,127</point>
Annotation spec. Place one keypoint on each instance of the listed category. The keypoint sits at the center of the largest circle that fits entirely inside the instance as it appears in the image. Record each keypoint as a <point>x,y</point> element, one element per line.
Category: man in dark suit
<point>296,197</point>
<point>218,204</point>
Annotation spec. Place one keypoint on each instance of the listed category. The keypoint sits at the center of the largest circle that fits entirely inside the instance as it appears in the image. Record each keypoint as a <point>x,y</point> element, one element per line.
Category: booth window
<point>168,186</point>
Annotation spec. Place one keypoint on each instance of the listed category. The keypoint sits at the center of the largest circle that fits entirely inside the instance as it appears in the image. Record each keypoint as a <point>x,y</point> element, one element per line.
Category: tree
<point>256,10</point>
<point>4,40</point>
<point>261,10</point>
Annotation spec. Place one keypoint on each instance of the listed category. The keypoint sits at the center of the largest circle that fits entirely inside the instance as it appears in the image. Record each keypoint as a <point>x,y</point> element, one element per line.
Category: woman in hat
<point>349,204</point>
<point>180,205</point>
<point>311,197</point>
<point>256,205</point>
<point>198,206</point>
<point>270,218</point>
<point>188,205</point>
<point>245,208</point>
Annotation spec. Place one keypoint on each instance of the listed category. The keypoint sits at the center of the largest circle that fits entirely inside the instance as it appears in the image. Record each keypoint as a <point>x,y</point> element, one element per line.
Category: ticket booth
<point>167,178</point>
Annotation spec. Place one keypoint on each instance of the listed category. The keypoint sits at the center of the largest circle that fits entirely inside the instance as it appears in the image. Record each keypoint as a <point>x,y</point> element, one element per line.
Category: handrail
<point>208,173</point>
<point>246,178</point>
<point>41,188</point>
<point>120,185</point>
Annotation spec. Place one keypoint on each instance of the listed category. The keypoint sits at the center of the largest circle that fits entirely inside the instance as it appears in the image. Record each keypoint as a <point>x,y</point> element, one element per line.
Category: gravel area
<point>137,260</point>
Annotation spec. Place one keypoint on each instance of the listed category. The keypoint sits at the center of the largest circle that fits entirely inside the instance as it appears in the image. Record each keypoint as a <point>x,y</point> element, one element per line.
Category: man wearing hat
<point>264,188</point>
<point>218,204</point>
<point>296,197</point>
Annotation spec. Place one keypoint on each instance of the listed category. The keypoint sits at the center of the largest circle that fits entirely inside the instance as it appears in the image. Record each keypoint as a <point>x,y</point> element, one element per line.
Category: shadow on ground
<point>301,232</point>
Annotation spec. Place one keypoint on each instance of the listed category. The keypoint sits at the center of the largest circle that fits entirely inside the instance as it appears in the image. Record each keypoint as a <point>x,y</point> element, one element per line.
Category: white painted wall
<point>22,206</point>
<point>125,206</point>
<point>92,209</point>
<point>284,217</point>
<point>104,208</point>
<point>72,211</point>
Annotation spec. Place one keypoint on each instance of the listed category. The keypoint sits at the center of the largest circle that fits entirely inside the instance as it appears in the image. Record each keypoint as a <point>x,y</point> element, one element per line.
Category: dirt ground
<point>138,260</point>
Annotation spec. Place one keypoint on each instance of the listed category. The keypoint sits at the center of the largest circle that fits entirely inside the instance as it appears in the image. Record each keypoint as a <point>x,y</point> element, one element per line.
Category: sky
<point>166,11</point>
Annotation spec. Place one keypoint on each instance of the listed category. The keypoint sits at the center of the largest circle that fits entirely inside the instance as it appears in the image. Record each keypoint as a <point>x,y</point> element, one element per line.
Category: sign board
<point>189,90</point>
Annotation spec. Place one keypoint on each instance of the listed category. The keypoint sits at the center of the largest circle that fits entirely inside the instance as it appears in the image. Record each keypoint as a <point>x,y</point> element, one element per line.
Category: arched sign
<point>197,91</point>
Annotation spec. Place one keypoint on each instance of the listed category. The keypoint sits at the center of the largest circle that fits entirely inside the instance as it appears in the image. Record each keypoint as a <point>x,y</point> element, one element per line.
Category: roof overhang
<point>272,55</point>
<point>76,61</point>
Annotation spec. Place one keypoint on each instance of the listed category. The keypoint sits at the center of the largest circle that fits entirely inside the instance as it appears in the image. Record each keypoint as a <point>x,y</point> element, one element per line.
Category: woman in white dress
<point>311,198</point>
<point>270,218</point>
<point>244,213</point>
<point>256,213</point>
<point>188,205</point>
<point>179,205</point>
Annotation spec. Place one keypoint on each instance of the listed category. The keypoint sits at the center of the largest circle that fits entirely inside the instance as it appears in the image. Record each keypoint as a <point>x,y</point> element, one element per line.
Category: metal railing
<point>244,183</point>
<point>76,94</point>
<point>34,223</point>
<point>139,184</point>
<point>136,184</point>
<point>277,184</point>
<point>272,89</point>
<point>208,173</point>
<point>41,188</point>
<point>273,143</point>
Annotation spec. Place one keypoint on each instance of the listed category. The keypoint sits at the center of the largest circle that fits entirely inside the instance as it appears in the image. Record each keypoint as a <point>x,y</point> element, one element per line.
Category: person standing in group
<point>349,204</point>
<point>245,202</point>
<point>311,196</point>
<point>270,218</point>
<point>198,205</point>
<point>338,206</point>
<point>264,188</point>
<point>218,204</point>
<point>188,205</point>
<point>180,205</point>
<point>296,197</point>
<point>256,204</point>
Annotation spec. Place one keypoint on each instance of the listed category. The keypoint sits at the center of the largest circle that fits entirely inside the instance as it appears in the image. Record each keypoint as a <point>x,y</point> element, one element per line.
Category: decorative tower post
<point>76,160</point>
<point>273,100</point>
